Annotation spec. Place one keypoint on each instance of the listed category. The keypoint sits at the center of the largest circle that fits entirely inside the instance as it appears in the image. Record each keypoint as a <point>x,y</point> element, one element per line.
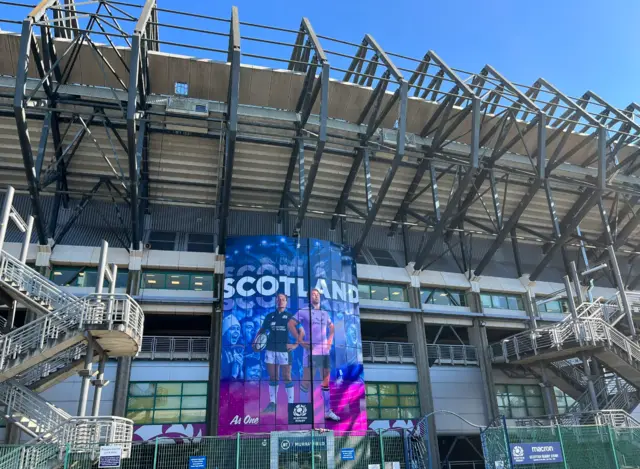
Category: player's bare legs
<point>326,395</point>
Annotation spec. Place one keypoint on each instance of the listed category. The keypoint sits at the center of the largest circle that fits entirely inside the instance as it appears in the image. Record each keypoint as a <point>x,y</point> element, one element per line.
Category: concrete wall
<point>458,389</point>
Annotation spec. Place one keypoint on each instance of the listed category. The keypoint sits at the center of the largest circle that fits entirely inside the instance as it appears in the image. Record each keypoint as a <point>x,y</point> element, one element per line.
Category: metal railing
<point>388,352</point>
<point>109,311</point>
<point>613,418</point>
<point>571,371</point>
<point>574,333</point>
<point>27,281</point>
<point>441,354</point>
<point>477,464</point>
<point>197,348</point>
<point>47,423</point>
<point>56,363</point>
<point>174,348</point>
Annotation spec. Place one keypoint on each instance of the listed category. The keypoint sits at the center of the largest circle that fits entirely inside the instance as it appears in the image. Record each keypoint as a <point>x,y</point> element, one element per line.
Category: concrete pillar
<point>123,372</point>
<point>12,434</point>
<point>550,401</point>
<point>478,338</point>
<point>43,259</point>
<point>418,337</point>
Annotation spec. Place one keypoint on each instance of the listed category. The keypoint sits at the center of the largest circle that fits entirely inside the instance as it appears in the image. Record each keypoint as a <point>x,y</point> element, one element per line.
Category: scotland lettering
<point>269,285</point>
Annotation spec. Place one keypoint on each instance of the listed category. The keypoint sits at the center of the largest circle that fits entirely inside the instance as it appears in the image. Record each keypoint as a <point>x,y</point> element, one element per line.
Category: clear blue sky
<point>577,45</point>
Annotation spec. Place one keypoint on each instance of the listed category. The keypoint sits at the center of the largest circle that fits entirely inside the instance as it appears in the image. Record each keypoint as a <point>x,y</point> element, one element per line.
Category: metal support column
<point>6,211</point>
<point>576,282</point>
<point>621,292</point>
<point>102,266</point>
<point>572,304</point>
<point>99,383</point>
<point>591,388</point>
<point>86,377</point>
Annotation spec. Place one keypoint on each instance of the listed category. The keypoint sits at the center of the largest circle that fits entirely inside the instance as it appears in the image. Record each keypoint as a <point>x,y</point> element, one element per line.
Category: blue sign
<point>536,453</point>
<point>197,462</point>
<point>348,454</point>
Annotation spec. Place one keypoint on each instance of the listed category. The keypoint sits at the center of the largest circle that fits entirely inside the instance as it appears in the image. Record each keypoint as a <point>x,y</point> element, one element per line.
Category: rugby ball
<point>260,342</point>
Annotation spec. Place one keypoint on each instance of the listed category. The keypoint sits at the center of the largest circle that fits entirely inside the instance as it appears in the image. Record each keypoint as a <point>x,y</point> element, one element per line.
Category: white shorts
<point>276,358</point>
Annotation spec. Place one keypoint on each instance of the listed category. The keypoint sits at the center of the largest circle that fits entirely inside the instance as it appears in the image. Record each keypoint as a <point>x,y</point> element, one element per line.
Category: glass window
<point>392,401</point>
<point>85,277</point>
<point>501,301</point>
<point>167,402</point>
<point>381,292</point>
<point>443,296</point>
<point>153,280</point>
<point>195,281</point>
<point>364,292</point>
<point>200,243</point>
<point>486,301</point>
<point>201,282</point>
<point>519,401</point>
<point>563,400</point>
<point>177,282</point>
<point>162,240</point>
<point>555,306</point>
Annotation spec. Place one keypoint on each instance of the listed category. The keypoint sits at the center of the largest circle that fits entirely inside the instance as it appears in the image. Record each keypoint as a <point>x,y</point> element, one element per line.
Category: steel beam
<point>137,89</point>
<point>511,223</point>
<point>391,171</point>
<point>320,143</point>
<point>452,203</point>
<point>568,225</point>
<point>311,89</point>
<point>23,129</point>
<point>233,93</point>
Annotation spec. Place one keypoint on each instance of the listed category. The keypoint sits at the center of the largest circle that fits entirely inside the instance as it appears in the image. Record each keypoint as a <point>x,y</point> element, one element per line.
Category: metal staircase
<point>27,286</point>
<point>51,348</point>
<point>596,331</point>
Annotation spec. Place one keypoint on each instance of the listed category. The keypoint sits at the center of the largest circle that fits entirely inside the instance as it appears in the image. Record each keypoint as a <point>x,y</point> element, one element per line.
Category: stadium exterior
<point>474,204</point>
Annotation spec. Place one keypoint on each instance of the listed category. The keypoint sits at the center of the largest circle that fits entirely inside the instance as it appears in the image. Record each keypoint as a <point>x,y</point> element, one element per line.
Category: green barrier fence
<point>581,447</point>
<point>281,450</point>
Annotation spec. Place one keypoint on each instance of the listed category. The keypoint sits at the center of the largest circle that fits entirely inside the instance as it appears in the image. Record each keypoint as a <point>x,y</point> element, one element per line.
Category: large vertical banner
<point>291,345</point>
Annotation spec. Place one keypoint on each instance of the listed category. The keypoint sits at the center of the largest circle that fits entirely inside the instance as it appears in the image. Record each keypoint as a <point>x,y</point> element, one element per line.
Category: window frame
<point>151,242</point>
<point>507,410</point>
<point>449,294</point>
<point>507,296</point>
<point>155,397</point>
<point>164,278</point>
<point>399,408</point>
<point>82,272</point>
<point>388,286</point>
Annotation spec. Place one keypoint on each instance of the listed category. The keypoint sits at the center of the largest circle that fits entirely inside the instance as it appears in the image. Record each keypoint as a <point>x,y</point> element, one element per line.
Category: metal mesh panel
<point>281,450</point>
<point>583,447</point>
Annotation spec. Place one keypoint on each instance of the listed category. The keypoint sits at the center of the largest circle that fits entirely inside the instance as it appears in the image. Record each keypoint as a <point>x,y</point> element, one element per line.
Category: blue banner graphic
<point>291,344</point>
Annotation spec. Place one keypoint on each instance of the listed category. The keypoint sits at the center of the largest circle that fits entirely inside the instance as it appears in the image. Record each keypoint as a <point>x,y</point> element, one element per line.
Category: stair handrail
<point>103,309</point>
<point>590,329</point>
<point>575,373</point>
<point>11,268</point>
<point>52,365</point>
